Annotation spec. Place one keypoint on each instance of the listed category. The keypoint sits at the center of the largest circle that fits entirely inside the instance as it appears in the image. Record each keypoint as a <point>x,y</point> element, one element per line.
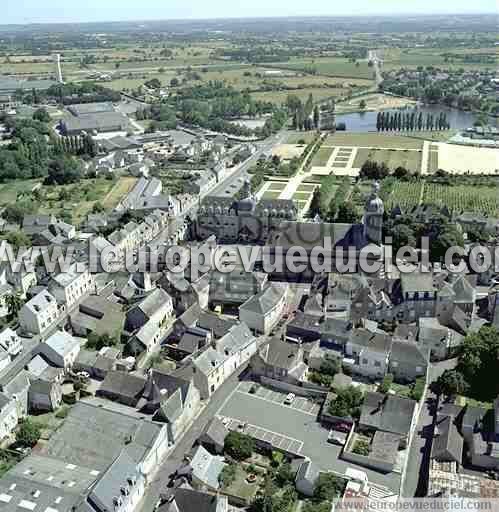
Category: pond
<point>366,121</point>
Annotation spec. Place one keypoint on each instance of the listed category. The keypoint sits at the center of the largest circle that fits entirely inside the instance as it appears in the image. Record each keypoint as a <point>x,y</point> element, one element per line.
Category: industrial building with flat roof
<point>99,122</point>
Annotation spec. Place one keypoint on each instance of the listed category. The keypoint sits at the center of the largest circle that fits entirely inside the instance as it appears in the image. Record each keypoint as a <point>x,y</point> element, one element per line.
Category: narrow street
<point>415,481</point>
<point>175,458</point>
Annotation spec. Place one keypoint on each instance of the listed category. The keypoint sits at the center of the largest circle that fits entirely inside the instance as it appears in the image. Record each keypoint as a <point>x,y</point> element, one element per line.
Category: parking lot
<point>301,404</point>
<point>277,440</point>
<point>267,416</point>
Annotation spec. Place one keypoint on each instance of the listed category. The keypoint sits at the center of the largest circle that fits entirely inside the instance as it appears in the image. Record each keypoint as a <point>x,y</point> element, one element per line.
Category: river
<point>366,121</point>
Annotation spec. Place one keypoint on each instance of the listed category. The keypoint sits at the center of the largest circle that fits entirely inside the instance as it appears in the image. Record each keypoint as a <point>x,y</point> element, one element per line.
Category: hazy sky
<point>35,11</point>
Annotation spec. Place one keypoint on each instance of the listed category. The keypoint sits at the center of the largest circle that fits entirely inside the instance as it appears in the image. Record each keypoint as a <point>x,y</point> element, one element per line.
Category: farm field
<point>372,140</point>
<point>411,160</point>
<point>412,58</point>
<point>403,194</point>
<point>463,197</point>
<point>332,66</point>
<point>457,198</point>
<point>249,77</point>
<point>457,159</point>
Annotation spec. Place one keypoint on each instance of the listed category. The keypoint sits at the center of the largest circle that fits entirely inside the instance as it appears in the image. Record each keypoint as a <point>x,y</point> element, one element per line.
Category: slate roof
<point>207,467</point>
<point>408,352</point>
<point>375,341</point>
<point>419,282</point>
<point>217,325</point>
<point>40,302</point>
<point>123,384</point>
<point>216,431</point>
<point>190,500</point>
<point>154,302</point>
<point>43,483</point>
<point>464,292</point>
<point>312,234</point>
<point>280,354</point>
<point>97,121</point>
<point>110,482</point>
<point>191,342</point>
<point>263,302</point>
<point>62,343</point>
<point>389,413</point>
<point>447,442</point>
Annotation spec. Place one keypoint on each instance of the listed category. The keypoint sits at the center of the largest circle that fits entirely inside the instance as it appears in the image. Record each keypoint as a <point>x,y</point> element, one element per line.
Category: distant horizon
<point>256,17</point>
<point>48,12</point>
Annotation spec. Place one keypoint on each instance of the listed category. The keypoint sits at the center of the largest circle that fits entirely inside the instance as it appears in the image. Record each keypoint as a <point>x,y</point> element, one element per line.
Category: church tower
<point>373,217</point>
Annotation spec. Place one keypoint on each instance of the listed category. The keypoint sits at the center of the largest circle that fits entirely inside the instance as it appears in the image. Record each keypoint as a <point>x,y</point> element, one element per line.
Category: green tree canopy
<point>239,446</point>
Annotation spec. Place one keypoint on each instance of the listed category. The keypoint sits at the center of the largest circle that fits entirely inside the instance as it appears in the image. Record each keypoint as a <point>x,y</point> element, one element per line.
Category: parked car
<point>290,398</point>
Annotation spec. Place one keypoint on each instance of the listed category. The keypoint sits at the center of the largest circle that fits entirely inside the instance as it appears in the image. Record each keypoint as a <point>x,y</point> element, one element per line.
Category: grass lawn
<point>379,140</point>
<point>322,156</point>
<point>295,137</point>
<point>465,400</point>
<point>435,136</point>
<point>304,187</point>
<point>277,185</point>
<point>337,163</point>
<point>119,190</point>
<point>240,487</point>
<point>9,191</point>
<point>269,194</point>
<point>318,93</point>
<point>411,160</point>
<point>401,390</point>
<point>300,196</point>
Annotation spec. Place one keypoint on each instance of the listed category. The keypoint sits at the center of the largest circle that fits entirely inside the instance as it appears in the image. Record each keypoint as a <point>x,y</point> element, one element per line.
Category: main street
<point>229,186</point>
<point>233,183</point>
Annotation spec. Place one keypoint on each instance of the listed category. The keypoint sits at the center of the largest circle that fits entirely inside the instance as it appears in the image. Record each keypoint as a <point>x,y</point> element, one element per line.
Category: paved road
<point>176,457</point>
<point>233,183</point>
<point>375,59</point>
<point>415,482</point>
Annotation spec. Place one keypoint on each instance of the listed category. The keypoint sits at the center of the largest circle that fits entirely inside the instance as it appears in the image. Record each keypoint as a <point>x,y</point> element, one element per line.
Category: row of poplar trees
<point>411,121</point>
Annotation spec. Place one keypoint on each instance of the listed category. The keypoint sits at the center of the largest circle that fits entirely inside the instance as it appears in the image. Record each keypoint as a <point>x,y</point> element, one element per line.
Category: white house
<point>8,416</point>
<point>61,349</point>
<point>262,312</point>
<point>368,353</point>
<point>150,320</point>
<point>39,313</point>
<point>216,364</point>
<point>70,286</point>
<point>11,342</point>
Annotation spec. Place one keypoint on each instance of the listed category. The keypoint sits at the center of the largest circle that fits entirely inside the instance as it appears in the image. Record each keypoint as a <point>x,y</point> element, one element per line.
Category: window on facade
<point>377,363</point>
<point>365,361</point>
